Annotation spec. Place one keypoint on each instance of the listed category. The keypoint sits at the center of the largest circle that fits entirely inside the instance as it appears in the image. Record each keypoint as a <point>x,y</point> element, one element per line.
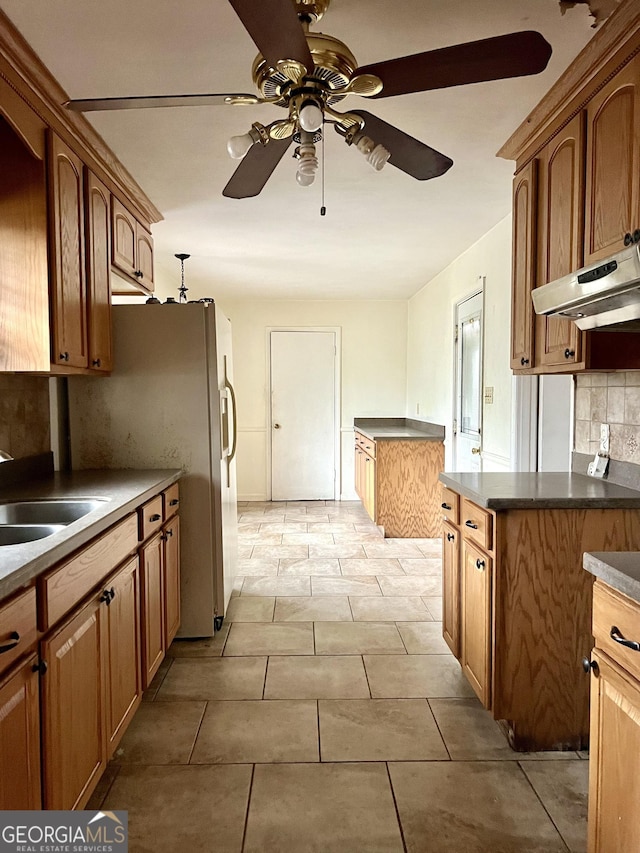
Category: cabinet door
<point>524,271</point>
<point>451,587</point>
<point>67,276</point>
<point>476,580</point>
<point>144,257</point>
<point>614,772</point>
<point>153,645</point>
<point>20,738</point>
<point>123,671</point>
<point>613,164</point>
<point>370,486</point>
<point>98,249</point>
<point>73,709</point>
<point>358,463</point>
<point>560,236</point>
<point>171,538</point>
<point>123,238</point>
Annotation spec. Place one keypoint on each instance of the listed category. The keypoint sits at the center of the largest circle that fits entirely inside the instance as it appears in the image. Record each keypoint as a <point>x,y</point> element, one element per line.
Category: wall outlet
<point>604,439</point>
<point>488,394</point>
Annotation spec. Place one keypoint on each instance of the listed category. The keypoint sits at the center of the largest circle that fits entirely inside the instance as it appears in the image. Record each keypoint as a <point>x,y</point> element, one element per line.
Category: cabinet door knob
<point>106,596</point>
<point>40,667</point>
<point>589,665</point>
<point>524,361</point>
<point>96,362</point>
<point>618,638</point>
<point>628,239</point>
<point>450,537</point>
<point>16,639</point>
<point>169,533</point>
<point>636,235</point>
<point>64,356</point>
<point>569,353</point>
<point>276,426</point>
<point>470,524</point>
<point>480,564</point>
<point>138,274</point>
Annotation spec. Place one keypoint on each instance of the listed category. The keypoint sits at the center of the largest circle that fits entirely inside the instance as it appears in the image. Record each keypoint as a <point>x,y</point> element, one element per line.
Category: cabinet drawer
<point>150,516</point>
<point>170,501</point>
<point>65,586</point>
<point>17,627</point>
<point>450,505</point>
<point>612,610</point>
<point>369,446</point>
<point>476,524</point>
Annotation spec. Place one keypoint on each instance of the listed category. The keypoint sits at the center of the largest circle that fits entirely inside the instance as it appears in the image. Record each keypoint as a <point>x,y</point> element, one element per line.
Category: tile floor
<point>328,715</point>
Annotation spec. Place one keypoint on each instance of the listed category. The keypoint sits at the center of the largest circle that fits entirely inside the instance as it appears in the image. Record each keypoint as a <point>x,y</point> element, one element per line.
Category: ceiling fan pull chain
<point>323,209</point>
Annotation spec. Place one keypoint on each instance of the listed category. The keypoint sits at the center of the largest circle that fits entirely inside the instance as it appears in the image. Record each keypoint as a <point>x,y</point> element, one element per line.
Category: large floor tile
<point>257,732</point>
<point>406,676</point>
<point>262,537</point>
<point>307,539</point>
<point>371,567</point>
<point>337,552</point>
<point>469,731</point>
<point>392,548</point>
<point>351,638</point>
<point>283,527</point>
<point>425,567</point>
<point>198,809</point>
<point>563,787</point>
<point>152,690</point>
<point>161,733</point>
<point>333,808</point>
<point>248,609</point>
<point>309,567</point>
<point>475,807</point>
<point>317,608</point>
<point>345,586</point>
<point>320,677</point>
<point>258,566</point>
<point>270,638</point>
<point>277,586</point>
<point>357,537</point>
<point>215,678</point>
<point>206,647</point>
<point>389,608</point>
<point>423,638</point>
<point>331,527</point>
<point>434,605</point>
<point>378,730</point>
<point>280,552</point>
<point>411,585</point>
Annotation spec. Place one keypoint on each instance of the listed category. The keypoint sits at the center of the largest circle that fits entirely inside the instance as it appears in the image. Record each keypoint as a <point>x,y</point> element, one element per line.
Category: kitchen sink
<point>18,534</point>
<point>42,513</point>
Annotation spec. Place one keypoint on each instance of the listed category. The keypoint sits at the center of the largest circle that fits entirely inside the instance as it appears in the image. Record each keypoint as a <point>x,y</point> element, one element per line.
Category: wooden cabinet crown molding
<point>26,74</point>
<point>603,56</point>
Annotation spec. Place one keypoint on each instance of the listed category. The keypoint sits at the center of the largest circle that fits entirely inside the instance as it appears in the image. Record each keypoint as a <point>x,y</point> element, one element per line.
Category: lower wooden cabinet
<point>476,585</point>
<point>20,737</point>
<point>153,620</point>
<point>171,557</point>
<point>451,587</point>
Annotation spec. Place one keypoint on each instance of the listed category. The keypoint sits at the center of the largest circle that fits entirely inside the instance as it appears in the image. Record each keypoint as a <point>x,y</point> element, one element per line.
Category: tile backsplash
<point>24,415</point>
<point>614,399</point>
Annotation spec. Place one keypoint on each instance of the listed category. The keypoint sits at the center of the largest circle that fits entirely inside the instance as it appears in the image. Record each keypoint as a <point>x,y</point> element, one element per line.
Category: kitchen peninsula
<point>397,462</point>
<point>516,602</point>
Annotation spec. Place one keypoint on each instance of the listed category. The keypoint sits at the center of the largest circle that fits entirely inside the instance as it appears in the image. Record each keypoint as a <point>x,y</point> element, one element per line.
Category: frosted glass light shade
<point>310,117</point>
<point>238,146</point>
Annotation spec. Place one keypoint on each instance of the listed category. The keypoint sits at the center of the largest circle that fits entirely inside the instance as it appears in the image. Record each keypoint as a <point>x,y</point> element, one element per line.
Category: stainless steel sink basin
<point>46,512</point>
<point>18,534</point>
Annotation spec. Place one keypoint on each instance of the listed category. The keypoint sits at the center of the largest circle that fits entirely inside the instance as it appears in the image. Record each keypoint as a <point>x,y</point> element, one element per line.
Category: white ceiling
<point>384,235</point>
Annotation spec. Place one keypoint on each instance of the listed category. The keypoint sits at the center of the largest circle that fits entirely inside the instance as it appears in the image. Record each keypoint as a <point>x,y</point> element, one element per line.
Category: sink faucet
<point>4,456</point>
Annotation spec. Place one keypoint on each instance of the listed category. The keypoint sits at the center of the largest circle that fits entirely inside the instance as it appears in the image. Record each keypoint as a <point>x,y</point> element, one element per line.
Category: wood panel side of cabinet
<point>24,294</point>
<point>408,497</point>
<point>67,242</point>
<point>613,164</point>
<point>560,236</point>
<point>614,771</point>
<point>525,194</point>
<point>98,255</point>
<point>20,738</point>
<point>451,587</point>
<point>543,619</point>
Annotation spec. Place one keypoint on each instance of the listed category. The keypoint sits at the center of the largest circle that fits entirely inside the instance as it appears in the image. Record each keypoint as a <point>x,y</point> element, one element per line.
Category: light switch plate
<point>488,394</point>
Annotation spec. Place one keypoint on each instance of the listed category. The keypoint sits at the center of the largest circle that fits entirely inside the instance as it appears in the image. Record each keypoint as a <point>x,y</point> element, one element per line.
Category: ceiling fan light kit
<point>308,73</point>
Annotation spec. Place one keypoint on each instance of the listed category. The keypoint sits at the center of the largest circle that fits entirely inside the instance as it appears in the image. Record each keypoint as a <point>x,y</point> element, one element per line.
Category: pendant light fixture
<point>182,290</point>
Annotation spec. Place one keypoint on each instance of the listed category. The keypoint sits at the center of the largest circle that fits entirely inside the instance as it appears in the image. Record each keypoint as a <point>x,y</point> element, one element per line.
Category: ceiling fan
<point>308,73</point>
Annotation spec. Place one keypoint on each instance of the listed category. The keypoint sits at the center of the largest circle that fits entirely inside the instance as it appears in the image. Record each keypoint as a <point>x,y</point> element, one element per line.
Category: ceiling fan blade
<point>256,168</point>
<point>513,55</point>
<point>145,101</point>
<point>407,154</point>
<point>276,30</point>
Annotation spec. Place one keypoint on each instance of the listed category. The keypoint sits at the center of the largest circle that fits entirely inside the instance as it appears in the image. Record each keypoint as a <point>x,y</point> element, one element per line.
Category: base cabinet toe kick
<point>517,611</point>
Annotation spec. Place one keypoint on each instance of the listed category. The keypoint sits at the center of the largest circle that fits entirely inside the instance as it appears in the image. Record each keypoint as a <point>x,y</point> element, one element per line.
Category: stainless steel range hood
<point>604,294</point>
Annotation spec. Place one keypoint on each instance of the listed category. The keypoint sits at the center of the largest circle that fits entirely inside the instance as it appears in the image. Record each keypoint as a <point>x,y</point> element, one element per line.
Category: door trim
<point>478,290</point>
<point>337,416</point>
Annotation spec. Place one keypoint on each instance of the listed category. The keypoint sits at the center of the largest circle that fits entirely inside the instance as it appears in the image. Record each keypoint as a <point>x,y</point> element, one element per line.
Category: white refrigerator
<point>169,403</point>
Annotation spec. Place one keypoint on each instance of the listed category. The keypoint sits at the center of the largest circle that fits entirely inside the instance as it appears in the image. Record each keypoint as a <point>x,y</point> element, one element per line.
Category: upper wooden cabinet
<point>524,235</point>
<point>132,253</point>
<point>98,254</point>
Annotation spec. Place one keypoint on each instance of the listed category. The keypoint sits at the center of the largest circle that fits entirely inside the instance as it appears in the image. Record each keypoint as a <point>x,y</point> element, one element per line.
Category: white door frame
<point>478,289</point>
<point>337,417</point>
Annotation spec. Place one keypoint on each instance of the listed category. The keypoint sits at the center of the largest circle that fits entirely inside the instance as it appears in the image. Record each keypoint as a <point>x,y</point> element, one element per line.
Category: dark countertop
<point>620,569</point>
<point>125,491</point>
<point>497,490</point>
<point>379,429</point>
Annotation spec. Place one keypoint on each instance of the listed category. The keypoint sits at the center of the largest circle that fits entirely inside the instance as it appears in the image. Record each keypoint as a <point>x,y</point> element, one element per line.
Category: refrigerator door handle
<point>232,394</point>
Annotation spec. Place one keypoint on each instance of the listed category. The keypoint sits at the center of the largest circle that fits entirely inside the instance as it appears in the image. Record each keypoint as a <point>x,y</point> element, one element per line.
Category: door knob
<point>276,426</point>
<point>475,450</point>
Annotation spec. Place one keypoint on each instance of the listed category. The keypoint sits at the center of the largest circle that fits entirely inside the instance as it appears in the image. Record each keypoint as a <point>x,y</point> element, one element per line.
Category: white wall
<point>430,362</point>
<point>374,374</point>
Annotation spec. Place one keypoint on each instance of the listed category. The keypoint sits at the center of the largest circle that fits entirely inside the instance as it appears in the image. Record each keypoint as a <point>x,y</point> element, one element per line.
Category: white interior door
<point>303,415</point>
<point>468,426</point>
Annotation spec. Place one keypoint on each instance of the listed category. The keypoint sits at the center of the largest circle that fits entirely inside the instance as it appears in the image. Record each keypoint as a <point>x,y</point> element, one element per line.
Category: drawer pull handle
<point>16,639</point>
<point>446,506</point>
<point>618,638</point>
<point>174,502</point>
<point>480,564</point>
<point>470,524</point>
<point>450,537</point>
<point>155,517</point>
